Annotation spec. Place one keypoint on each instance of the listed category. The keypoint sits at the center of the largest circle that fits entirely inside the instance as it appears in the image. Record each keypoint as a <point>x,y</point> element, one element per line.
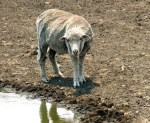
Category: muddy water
<point>18,109</point>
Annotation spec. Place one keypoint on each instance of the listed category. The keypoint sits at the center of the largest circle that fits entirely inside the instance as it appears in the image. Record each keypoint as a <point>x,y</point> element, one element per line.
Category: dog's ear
<point>85,38</point>
<point>62,39</point>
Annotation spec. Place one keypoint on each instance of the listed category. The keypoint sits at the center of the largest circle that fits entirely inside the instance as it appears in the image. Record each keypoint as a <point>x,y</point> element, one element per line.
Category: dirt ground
<point>117,67</point>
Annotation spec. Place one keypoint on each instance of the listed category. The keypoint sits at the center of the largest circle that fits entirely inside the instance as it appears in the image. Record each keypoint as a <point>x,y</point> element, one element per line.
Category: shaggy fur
<point>63,32</point>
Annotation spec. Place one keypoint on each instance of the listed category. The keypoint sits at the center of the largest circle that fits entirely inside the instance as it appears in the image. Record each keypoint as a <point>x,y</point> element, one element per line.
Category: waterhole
<point>18,109</point>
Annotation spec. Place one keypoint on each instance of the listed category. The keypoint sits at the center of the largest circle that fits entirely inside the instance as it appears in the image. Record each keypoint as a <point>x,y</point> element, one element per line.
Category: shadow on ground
<point>67,82</point>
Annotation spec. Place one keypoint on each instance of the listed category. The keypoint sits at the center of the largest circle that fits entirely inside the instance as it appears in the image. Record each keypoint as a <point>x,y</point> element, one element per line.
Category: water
<point>17,109</point>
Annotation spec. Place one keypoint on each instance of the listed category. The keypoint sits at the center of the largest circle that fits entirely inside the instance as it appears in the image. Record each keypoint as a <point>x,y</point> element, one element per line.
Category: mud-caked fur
<point>63,32</point>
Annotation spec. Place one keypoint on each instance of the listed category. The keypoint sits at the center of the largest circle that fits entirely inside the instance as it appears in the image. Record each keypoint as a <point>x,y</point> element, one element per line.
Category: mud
<point>117,67</point>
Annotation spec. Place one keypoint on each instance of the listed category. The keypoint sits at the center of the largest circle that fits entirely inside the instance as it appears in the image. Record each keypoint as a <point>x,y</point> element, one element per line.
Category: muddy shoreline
<point>88,108</point>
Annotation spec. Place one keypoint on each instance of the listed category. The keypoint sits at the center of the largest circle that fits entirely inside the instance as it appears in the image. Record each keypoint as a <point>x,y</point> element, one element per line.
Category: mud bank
<point>90,108</point>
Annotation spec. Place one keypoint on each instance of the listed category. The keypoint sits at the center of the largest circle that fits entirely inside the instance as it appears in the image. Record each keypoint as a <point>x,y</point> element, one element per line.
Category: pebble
<point>139,94</point>
<point>34,47</point>
<point>136,112</point>
<point>123,85</point>
<point>126,104</point>
<point>47,3</point>
<point>147,98</point>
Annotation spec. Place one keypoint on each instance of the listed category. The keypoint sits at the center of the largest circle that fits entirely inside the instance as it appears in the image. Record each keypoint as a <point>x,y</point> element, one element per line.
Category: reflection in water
<point>53,115</point>
<point>43,112</point>
<point>17,109</point>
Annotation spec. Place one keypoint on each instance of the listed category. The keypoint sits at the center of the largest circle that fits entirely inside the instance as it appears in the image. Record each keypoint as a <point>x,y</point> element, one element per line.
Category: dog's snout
<point>75,52</point>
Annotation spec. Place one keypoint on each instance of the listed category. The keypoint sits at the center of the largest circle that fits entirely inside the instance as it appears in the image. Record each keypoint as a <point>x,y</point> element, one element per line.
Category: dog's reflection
<point>43,112</point>
<point>52,115</point>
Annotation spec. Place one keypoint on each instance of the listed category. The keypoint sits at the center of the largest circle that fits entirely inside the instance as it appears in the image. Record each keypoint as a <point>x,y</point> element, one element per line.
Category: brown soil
<point>118,65</point>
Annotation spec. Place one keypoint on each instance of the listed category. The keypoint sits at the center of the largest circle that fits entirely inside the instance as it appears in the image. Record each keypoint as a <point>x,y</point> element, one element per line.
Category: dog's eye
<point>67,40</point>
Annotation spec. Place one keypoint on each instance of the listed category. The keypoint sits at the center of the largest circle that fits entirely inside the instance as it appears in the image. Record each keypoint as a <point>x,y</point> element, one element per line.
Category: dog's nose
<point>75,52</point>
